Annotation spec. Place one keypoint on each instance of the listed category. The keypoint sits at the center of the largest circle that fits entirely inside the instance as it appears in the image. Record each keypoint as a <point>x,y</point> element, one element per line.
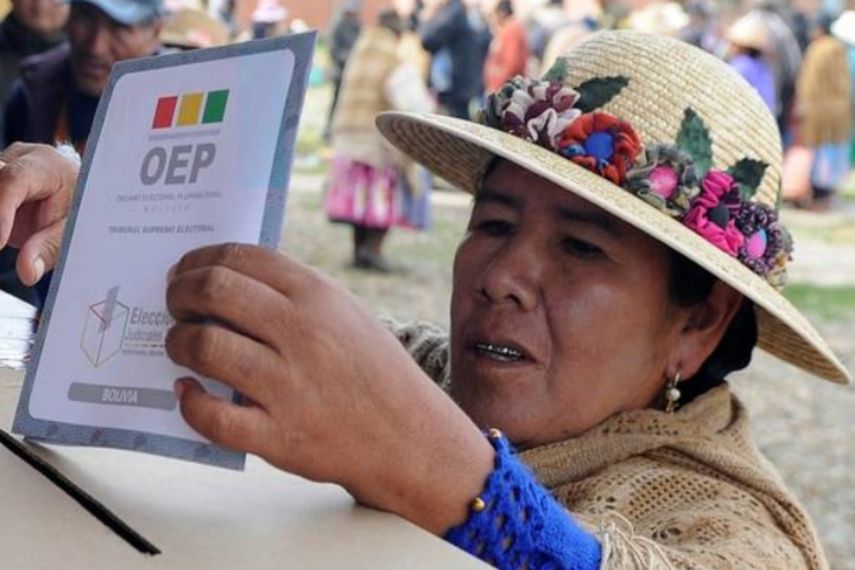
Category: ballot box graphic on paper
<point>104,329</point>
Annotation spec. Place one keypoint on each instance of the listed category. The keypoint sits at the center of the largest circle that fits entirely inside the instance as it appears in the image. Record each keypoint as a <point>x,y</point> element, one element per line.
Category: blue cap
<point>128,12</point>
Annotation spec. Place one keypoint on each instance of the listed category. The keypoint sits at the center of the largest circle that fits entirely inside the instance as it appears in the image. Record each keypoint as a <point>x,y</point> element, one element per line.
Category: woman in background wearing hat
<point>623,256</point>
<point>824,111</point>
<point>749,46</point>
<point>371,187</point>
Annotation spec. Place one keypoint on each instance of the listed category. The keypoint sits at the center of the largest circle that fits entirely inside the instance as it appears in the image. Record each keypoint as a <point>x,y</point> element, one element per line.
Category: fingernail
<point>170,275</point>
<point>180,387</point>
<point>39,267</point>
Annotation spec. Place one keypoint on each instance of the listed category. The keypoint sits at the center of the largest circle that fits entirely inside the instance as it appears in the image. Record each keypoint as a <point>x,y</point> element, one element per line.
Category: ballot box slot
<point>81,497</point>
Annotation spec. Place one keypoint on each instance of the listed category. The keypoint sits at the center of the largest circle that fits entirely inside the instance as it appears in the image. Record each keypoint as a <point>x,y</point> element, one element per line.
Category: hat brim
<point>460,152</point>
<point>129,14</point>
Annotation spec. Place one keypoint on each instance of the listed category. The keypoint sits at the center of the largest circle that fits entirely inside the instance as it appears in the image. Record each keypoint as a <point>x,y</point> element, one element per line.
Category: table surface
<point>198,516</point>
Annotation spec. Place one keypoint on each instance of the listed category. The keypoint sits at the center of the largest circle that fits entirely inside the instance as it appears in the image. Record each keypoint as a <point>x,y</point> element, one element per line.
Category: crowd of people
<point>801,65</point>
<point>423,55</point>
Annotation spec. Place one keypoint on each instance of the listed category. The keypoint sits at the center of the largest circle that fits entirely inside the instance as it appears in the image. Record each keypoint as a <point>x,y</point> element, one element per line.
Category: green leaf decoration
<point>596,92</point>
<point>558,72</point>
<point>748,173</point>
<point>694,138</point>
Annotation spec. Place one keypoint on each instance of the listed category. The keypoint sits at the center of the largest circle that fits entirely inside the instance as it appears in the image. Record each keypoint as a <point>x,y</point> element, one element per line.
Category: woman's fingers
<point>40,253</point>
<point>243,428</point>
<point>232,298</point>
<point>219,353</point>
<point>262,264</point>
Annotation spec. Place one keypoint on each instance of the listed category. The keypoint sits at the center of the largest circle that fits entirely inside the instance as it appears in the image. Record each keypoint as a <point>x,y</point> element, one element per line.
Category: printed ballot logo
<point>104,329</point>
<point>181,153</point>
<point>187,110</point>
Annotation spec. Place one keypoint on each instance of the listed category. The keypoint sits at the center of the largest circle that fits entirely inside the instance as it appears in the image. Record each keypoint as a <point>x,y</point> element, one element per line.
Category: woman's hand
<point>36,185</point>
<point>334,395</point>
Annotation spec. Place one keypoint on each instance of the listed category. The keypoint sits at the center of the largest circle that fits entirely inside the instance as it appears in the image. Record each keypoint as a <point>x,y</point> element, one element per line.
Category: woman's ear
<point>704,328</point>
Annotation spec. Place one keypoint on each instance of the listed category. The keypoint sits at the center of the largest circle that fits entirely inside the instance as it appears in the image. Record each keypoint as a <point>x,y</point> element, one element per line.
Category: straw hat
<point>583,127</point>
<point>188,28</point>
<point>749,31</point>
<point>269,12</point>
<point>844,27</point>
<point>664,18</point>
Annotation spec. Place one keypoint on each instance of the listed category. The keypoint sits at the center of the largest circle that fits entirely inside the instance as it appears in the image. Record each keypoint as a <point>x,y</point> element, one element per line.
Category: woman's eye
<point>582,248</point>
<point>494,227</point>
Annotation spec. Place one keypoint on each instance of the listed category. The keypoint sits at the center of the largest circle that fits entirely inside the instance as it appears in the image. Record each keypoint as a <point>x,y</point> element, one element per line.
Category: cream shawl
<point>687,490</point>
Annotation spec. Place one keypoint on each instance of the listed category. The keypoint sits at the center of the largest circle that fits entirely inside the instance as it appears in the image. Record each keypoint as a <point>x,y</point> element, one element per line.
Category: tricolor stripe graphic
<point>187,110</point>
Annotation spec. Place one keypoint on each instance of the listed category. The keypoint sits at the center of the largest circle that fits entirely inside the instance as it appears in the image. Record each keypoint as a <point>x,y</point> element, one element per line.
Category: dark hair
<point>390,20</point>
<point>505,8</point>
<point>689,285</point>
<point>824,22</point>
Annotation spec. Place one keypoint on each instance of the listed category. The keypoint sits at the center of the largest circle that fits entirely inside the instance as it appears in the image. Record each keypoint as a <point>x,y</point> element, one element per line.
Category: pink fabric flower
<point>712,213</point>
<point>663,181</point>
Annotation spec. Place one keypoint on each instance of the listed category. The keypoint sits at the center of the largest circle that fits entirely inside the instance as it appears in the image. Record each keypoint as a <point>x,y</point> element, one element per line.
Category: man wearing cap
<point>54,100</point>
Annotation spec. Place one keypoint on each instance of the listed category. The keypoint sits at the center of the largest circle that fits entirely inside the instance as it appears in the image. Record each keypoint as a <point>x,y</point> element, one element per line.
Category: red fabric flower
<point>712,214</point>
<point>602,143</point>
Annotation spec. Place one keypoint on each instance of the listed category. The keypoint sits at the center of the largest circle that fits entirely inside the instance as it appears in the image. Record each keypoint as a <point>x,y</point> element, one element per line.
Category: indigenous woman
<point>624,255</point>
<point>371,187</point>
<point>824,104</point>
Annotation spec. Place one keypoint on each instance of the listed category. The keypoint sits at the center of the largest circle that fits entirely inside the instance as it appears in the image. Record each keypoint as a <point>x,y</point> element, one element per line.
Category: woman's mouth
<point>499,352</point>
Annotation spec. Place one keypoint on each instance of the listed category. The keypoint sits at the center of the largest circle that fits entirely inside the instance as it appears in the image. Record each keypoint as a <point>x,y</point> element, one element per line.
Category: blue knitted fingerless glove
<point>516,523</point>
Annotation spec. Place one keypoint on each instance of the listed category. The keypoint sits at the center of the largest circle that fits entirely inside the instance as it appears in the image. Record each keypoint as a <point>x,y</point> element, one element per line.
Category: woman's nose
<point>514,274</point>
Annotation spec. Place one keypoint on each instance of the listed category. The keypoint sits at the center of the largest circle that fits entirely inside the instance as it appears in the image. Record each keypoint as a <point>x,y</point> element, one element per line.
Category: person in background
<point>371,187</point>
<point>786,58</point>
<point>844,29</point>
<point>508,53</point>
<point>410,44</point>
<point>32,27</point>
<point>343,34</point>
<point>749,46</point>
<point>701,29</point>
<point>543,21</point>
<point>824,110</point>
<point>54,100</point>
<point>267,19</point>
<point>191,28</point>
<point>574,32</point>
<point>457,60</point>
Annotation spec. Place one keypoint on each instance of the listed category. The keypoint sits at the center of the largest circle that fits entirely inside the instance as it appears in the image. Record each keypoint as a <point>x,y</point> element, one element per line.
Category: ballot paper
<point>187,150</point>
<point>17,331</point>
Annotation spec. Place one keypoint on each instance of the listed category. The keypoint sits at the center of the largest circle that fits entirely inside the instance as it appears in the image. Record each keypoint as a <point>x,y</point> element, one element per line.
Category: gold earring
<point>672,394</point>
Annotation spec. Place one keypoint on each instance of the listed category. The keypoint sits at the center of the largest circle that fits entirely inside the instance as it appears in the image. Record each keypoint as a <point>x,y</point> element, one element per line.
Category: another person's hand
<point>36,186</point>
<point>334,396</point>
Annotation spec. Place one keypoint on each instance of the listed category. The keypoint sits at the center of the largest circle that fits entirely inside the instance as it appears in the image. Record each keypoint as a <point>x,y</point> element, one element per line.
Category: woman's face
<point>560,313</point>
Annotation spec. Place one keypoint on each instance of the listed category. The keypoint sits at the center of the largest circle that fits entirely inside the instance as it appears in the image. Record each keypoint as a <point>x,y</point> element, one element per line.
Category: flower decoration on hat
<point>677,179</point>
<point>768,245</point>
<point>602,143</point>
<point>665,177</point>
<point>538,111</point>
<point>712,213</point>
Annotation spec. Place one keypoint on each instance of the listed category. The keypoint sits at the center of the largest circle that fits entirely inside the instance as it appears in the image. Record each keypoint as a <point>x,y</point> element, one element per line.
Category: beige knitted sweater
<point>687,490</point>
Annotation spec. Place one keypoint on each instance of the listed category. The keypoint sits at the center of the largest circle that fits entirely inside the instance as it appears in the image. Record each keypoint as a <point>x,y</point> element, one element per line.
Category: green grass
<point>834,303</point>
<point>837,234</point>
